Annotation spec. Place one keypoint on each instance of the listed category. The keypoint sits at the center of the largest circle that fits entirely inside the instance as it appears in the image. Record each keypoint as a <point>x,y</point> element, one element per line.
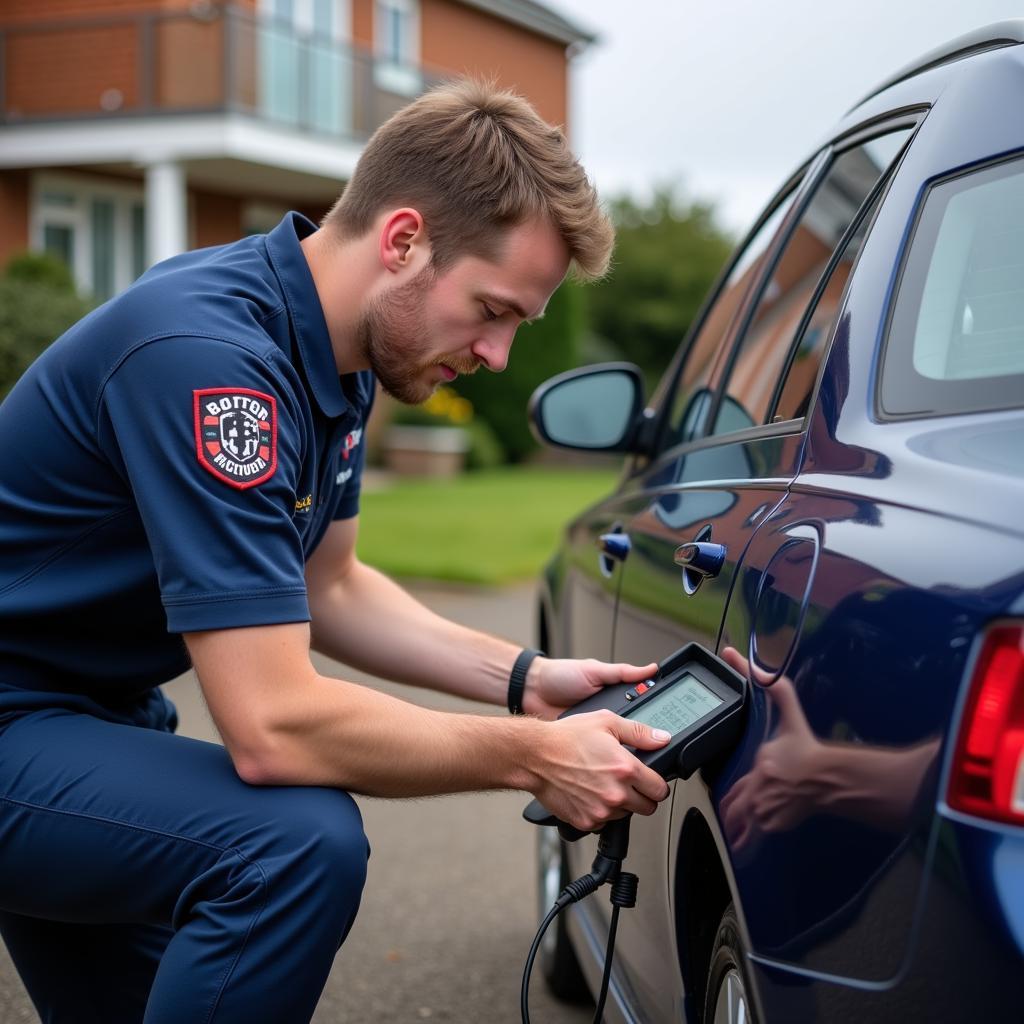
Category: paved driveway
<point>448,913</point>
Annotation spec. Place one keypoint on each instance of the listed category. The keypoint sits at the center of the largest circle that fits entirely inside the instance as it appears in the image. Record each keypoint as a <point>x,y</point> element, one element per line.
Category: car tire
<point>557,958</point>
<point>728,997</point>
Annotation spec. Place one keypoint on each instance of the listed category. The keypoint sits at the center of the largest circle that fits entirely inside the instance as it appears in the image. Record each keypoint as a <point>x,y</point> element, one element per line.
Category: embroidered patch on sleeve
<point>236,434</point>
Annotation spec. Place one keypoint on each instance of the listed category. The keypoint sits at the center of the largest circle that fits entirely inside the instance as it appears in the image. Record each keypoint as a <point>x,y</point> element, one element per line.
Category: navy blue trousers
<point>142,880</point>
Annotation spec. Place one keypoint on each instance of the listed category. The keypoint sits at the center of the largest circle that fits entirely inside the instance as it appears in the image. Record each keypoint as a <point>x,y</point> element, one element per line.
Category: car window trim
<point>872,205</point>
<point>724,364</point>
<point>827,159</point>
<point>881,413</point>
<point>910,116</point>
<point>755,433</point>
<point>661,400</point>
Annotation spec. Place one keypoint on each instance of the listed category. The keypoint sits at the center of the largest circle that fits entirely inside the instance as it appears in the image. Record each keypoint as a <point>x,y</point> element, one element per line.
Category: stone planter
<point>425,451</point>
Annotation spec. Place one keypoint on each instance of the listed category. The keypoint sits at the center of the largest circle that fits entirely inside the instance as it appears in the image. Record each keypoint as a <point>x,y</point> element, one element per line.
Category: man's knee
<point>344,848</point>
<point>330,849</point>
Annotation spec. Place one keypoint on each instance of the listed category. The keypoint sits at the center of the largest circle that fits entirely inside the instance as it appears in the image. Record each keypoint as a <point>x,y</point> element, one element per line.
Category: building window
<point>59,241</point>
<point>97,229</point>
<point>102,247</point>
<point>396,30</point>
<point>305,64</point>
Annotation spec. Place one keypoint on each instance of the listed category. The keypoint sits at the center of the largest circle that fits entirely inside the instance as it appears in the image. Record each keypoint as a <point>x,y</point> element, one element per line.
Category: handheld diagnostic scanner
<point>694,695</point>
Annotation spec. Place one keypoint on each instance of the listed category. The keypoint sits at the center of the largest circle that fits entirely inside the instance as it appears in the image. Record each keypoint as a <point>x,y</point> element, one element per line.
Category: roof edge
<point>991,37</point>
<point>538,18</point>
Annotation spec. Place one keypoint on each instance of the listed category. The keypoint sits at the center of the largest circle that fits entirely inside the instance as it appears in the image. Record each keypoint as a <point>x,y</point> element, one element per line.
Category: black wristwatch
<point>517,679</point>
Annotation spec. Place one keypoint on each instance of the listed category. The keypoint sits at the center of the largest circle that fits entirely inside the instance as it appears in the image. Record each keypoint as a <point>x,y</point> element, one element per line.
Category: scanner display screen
<point>677,707</point>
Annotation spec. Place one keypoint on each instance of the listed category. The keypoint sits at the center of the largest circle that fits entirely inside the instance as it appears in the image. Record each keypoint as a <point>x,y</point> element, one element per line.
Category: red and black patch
<point>236,434</point>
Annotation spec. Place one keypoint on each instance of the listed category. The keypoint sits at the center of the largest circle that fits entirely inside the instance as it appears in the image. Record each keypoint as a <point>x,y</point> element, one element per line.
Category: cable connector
<point>578,889</point>
<point>624,890</point>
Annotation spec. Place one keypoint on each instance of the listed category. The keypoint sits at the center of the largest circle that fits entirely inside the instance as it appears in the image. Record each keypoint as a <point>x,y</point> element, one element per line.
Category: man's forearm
<point>286,724</point>
<point>347,736</point>
<point>371,623</point>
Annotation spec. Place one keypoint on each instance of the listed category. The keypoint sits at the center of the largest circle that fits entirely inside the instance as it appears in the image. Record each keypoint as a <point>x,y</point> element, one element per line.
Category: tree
<point>667,255</point>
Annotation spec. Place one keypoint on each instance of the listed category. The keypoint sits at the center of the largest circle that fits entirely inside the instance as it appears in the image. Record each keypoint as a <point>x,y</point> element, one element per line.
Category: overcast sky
<point>728,96</point>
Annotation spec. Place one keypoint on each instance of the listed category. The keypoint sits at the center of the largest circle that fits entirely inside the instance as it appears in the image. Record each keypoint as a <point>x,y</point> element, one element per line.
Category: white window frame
<point>83,190</point>
<point>404,76</point>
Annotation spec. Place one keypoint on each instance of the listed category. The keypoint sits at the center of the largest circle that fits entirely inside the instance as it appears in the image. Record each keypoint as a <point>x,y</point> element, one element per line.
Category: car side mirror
<point>596,408</point>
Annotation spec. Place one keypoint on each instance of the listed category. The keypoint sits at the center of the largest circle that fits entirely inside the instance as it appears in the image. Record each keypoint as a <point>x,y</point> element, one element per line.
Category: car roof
<point>991,37</point>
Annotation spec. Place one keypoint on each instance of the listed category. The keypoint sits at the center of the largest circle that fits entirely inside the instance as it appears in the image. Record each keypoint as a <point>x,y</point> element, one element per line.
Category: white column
<point>166,210</point>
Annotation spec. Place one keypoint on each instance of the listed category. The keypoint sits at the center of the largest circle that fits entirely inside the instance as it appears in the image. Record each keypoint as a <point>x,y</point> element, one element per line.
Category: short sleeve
<point>210,438</point>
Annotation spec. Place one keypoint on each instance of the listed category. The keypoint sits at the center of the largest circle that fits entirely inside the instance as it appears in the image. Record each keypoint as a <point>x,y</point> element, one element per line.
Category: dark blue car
<point>844,426</point>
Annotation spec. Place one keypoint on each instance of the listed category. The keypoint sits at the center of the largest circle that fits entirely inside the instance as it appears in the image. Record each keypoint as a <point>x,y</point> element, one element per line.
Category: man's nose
<point>492,350</point>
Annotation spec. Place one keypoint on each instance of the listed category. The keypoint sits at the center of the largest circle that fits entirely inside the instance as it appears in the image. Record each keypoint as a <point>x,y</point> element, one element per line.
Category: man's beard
<point>388,337</point>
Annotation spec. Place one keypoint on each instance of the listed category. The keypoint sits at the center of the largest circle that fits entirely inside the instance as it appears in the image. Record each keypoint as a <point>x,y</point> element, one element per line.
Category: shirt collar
<point>306,313</point>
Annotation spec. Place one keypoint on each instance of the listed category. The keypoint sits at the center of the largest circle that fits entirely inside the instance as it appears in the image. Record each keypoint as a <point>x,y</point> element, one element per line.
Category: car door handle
<point>614,545</point>
<point>699,560</point>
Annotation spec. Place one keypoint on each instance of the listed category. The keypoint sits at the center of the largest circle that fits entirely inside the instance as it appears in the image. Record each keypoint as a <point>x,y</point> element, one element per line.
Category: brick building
<point>133,129</point>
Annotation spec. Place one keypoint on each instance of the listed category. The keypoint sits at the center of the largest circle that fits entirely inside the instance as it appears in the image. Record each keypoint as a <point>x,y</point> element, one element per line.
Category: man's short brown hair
<point>475,160</point>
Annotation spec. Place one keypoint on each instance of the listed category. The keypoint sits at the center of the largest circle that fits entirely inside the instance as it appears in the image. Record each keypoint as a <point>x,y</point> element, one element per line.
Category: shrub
<point>485,451</point>
<point>38,303</point>
<point>40,268</point>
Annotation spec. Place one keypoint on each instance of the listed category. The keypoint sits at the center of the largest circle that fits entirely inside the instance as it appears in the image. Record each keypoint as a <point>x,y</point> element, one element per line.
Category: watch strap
<point>517,679</point>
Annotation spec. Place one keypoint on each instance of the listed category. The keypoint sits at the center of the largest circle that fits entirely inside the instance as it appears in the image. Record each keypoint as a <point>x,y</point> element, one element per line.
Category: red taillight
<point>987,777</point>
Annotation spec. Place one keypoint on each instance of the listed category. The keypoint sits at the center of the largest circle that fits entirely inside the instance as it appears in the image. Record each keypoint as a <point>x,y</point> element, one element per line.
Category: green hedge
<point>38,303</point>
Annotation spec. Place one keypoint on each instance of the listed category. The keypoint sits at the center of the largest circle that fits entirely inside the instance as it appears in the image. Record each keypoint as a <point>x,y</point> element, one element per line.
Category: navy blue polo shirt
<point>168,465</point>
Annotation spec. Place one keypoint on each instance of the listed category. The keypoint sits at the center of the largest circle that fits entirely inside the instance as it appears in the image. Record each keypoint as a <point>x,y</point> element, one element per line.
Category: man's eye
<point>489,313</point>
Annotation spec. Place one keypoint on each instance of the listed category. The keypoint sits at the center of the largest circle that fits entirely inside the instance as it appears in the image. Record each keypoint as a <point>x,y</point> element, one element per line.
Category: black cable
<point>623,895</point>
<point>572,893</point>
<point>609,950</point>
<point>524,1007</point>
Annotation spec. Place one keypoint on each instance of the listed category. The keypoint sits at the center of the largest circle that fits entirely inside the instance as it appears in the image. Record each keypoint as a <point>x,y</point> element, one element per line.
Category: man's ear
<point>403,241</point>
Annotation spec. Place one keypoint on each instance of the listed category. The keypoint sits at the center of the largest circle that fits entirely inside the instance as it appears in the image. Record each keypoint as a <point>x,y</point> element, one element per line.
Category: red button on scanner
<point>641,688</point>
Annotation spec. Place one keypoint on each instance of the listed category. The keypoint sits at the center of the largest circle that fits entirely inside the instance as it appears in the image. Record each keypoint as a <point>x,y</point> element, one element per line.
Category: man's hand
<point>586,777</point>
<point>552,685</point>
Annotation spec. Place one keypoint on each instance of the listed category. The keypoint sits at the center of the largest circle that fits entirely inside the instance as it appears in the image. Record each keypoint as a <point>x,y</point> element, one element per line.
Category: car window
<point>691,399</point>
<point>805,358</point>
<point>956,337</point>
<point>762,352</point>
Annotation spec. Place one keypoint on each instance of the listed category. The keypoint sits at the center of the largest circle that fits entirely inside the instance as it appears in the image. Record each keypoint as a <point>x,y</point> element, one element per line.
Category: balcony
<point>209,59</point>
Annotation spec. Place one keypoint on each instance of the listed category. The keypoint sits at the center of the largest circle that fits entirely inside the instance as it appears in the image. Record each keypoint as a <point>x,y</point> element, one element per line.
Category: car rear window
<point>956,335</point>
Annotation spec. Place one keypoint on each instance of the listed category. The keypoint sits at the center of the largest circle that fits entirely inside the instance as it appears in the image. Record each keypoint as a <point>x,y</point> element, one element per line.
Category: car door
<point>724,470</point>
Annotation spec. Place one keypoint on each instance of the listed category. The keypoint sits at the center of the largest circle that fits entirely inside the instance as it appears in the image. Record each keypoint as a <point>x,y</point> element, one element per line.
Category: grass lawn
<point>489,527</point>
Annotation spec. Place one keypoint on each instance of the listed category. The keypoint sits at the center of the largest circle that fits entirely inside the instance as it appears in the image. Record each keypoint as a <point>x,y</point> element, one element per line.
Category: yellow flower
<point>447,404</point>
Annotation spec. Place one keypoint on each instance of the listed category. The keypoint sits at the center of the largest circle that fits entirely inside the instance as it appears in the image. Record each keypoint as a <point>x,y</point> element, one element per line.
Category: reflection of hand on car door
<point>796,775</point>
<point>785,784</point>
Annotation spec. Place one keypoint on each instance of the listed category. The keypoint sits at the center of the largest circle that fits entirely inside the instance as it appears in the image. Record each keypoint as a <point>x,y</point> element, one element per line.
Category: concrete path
<point>449,908</point>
